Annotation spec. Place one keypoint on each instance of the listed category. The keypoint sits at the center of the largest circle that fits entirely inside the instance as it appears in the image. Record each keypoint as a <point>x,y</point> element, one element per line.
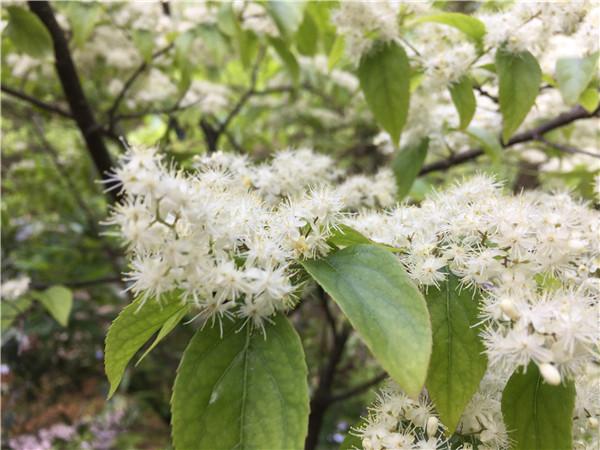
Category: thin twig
<point>358,389</point>
<point>35,102</point>
<point>566,148</point>
<point>112,117</point>
<point>561,120</point>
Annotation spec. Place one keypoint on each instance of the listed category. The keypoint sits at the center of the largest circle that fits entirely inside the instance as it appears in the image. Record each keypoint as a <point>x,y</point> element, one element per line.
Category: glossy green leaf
<point>519,82</point>
<point>241,390</point>
<point>336,52</point>
<point>58,301</point>
<point>27,32</point>
<point>307,36</point>
<point>131,330</point>
<point>590,99</point>
<point>471,26</point>
<point>464,100</point>
<point>457,359</point>
<point>287,15</point>
<point>384,74</point>
<point>538,416</point>
<point>11,309</point>
<point>573,76</point>
<point>164,331</point>
<point>489,142</point>
<point>407,164</point>
<point>383,305</point>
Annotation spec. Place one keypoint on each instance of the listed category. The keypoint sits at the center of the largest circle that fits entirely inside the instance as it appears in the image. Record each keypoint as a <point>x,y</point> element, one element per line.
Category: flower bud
<point>508,307</point>
<point>432,426</point>
<point>593,422</point>
<point>550,373</point>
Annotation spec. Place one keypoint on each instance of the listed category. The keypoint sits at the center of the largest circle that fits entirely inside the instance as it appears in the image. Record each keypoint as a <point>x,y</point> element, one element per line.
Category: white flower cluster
<point>361,22</point>
<point>530,25</point>
<point>534,255</point>
<point>226,235</point>
<point>14,288</point>
<point>398,422</point>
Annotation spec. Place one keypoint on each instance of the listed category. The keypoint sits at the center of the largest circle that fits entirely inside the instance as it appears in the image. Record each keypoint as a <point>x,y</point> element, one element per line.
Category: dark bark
<point>80,109</point>
<point>321,398</point>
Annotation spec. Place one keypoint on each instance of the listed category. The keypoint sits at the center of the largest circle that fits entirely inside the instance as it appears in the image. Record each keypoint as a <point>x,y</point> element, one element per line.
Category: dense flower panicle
<point>226,235</point>
<point>534,256</point>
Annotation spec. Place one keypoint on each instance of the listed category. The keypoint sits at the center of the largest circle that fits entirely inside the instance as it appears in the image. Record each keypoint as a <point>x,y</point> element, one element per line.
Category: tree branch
<point>80,109</point>
<point>35,102</point>
<point>358,389</point>
<point>566,148</point>
<point>561,120</point>
<point>112,117</point>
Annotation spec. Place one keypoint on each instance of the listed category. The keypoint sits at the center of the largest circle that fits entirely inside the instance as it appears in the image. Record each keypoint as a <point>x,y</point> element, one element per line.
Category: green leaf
<point>11,309</point>
<point>383,305</point>
<point>344,236</point>
<point>471,26</point>
<point>241,390</point>
<point>27,32</point>
<point>287,57</point>
<point>287,15</point>
<point>538,416</point>
<point>58,301</point>
<point>590,99</point>
<point>164,331</point>
<point>307,36</point>
<point>464,100</point>
<point>573,76</point>
<point>457,359</point>
<point>519,78</point>
<point>336,52</point>
<point>489,142</point>
<point>136,323</point>
<point>407,165</point>
<point>83,17</point>
<point>384,75</point>
<point>144,42</point>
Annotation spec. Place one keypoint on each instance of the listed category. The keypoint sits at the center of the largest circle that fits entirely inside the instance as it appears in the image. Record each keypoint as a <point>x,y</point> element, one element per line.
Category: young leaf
<point>519,78</point>
<point>27,32</point>
<point>589,99</point>
<point>241,390</point>
<point>383,305</point>
<point>471,26</point>
<point>384,74</point>
<point>11,309</point>
<point>287,15</point>
<point>538,416</point>
<point>130,331</point>
<point>464,100</point>
<point>166,328</point>
<point>573,75</point>
<point>336,52</point>
<point>58,301</point>
<point>489,141</point>
<point>457,360</point>
<point>407,164</point>
<point>287,57</point>
<point>307,36</point>
<point>144,42</point>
